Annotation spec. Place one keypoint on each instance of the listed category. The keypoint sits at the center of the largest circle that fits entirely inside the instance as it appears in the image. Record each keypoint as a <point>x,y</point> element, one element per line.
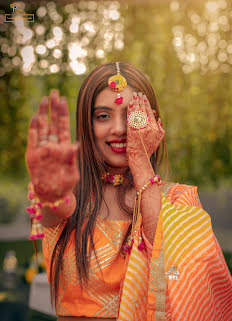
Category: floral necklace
<point>117,179</point>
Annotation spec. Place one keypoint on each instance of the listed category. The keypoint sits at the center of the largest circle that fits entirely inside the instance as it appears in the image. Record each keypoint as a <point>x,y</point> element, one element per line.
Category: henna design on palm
<point>52,165</point>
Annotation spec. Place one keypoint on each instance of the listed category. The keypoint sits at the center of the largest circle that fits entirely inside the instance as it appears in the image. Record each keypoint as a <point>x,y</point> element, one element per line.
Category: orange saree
<point>183,276</point>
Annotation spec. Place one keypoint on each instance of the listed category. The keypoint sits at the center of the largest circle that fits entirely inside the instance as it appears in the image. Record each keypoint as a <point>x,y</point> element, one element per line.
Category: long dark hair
<point>89,190</point>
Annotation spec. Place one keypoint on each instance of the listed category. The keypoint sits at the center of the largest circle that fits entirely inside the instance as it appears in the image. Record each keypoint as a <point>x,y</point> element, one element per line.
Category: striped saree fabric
<point>181,277</point>
<point>184,276</point>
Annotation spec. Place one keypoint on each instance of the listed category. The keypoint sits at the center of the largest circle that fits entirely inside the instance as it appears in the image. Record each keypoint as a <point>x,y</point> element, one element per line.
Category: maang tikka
<point>117,83</point>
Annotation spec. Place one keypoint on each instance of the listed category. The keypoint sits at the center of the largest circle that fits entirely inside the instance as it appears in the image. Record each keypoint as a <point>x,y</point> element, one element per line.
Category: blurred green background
<point>184,47</point>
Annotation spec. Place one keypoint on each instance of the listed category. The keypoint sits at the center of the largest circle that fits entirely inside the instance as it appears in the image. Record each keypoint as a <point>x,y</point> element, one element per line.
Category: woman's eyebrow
<point>107,108</point>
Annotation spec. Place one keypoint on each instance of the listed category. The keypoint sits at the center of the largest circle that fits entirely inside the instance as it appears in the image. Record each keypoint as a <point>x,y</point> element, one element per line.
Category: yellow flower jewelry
<point>117,83</point>
<point>117,179</point>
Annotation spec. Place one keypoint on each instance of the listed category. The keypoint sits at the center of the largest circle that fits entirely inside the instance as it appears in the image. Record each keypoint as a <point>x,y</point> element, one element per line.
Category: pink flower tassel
<point>141,246</point>
<point>118,100</point>
<point>36,230</point>
<point>127,248</point>
<point>31,210</point>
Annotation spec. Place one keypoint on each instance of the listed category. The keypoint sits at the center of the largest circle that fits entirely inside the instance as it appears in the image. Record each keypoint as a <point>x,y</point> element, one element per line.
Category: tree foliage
<point>188,66</point>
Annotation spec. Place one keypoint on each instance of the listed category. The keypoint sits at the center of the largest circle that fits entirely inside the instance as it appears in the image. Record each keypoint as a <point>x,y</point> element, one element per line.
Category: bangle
<point>34,211</point>
<point>153,180</point>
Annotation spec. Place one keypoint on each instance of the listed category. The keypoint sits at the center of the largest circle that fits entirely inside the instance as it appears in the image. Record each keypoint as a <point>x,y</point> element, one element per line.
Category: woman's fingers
<point>149,111</point>
<point>140,101</point>
<point>160,125</point>
<point>161,130</point>
<point>32,141</point>
<point>58,129</point>
<point>43,120</point>
<point>135,101</point>
<point>53,126</point>
<point>71,154</point>
<point>63,122</point>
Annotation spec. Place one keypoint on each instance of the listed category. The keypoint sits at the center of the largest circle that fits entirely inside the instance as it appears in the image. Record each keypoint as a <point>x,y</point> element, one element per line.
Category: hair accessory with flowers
<point>117,83</point>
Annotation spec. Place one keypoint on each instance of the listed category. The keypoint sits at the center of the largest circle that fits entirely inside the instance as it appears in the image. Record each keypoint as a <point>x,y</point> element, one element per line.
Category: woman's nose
<point>120,125</point>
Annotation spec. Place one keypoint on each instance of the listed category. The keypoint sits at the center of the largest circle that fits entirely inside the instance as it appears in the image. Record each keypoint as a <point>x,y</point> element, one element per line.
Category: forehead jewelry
<point>117,83</point>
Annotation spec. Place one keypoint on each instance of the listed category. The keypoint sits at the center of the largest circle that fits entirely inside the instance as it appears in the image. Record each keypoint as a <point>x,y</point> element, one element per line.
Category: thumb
<point>71,154</point>
<point>77,146</point>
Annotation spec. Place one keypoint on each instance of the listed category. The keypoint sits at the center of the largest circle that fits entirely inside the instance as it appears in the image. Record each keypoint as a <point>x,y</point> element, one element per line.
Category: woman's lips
<point>119,150</point>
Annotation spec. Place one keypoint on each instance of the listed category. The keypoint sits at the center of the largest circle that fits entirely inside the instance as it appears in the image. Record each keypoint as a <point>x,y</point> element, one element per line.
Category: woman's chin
<point>119,166</point>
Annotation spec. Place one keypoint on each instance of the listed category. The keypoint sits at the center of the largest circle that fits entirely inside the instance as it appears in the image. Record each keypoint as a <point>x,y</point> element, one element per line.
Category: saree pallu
<point>183,277</point>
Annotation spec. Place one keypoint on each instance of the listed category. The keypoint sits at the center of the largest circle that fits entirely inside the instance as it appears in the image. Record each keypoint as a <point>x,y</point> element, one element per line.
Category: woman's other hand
<point>51,158</point>
<point>151,135</point>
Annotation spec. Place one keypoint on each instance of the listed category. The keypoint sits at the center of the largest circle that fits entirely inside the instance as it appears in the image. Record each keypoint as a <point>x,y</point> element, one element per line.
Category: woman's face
<point>109,125</point>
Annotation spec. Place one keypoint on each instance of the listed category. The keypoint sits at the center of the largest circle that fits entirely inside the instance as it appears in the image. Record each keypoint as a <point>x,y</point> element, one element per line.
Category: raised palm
<point>51,158</point>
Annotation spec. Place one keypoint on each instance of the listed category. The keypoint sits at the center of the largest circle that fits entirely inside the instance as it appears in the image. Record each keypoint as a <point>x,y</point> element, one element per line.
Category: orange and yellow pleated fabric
<point>181,277</point>
<point>203,290</point>
<point>187,278</point>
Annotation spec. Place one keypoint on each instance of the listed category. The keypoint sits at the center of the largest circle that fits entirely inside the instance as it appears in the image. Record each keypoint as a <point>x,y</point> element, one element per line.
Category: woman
<point>148,251</point>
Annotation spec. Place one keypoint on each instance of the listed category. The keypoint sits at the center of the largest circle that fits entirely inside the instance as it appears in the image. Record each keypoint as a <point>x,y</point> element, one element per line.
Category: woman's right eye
<point>101,116</point>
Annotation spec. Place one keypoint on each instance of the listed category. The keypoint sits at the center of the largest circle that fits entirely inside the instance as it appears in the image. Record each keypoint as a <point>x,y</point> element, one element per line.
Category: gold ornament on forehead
<point>117,83</point>
<point>137,119</point>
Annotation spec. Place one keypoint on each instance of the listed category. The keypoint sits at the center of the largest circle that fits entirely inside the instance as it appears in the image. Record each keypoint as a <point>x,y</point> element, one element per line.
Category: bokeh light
<point>208,46</point>
<point>75,33</point>
<point>67,35</point>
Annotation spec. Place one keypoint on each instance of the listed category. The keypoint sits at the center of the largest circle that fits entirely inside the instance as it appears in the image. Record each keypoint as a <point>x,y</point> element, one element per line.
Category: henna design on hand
<point>52,165</point>
<point>152,134</point>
